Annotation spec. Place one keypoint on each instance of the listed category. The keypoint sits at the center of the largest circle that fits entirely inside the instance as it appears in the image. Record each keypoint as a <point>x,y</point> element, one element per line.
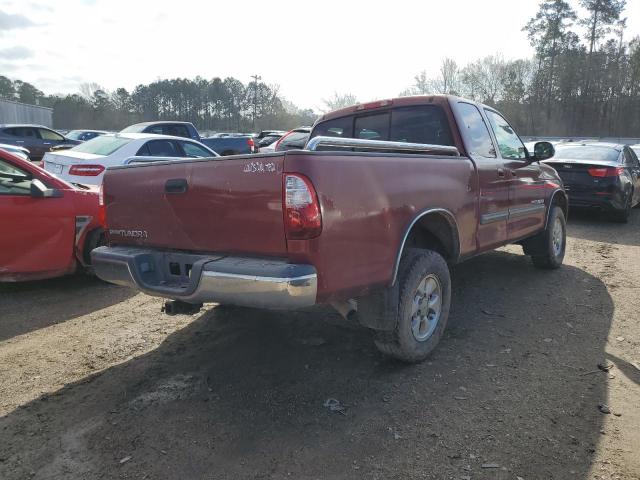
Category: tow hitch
<point>177,307</point>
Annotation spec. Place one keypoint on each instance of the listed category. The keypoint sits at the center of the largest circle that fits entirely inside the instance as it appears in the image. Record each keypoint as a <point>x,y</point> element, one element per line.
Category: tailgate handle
<point>176,185</point>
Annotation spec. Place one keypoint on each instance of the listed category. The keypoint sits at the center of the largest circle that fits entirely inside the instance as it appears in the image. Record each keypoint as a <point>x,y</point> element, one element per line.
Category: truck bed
<point>234,207</point>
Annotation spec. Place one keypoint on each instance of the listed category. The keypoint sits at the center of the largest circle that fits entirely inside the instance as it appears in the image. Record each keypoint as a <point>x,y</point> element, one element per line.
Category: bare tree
<point>338,101</point>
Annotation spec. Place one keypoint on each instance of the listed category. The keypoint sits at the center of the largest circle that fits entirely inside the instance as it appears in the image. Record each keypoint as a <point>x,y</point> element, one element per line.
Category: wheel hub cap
<point>427,305</point>
<point>557,237</point>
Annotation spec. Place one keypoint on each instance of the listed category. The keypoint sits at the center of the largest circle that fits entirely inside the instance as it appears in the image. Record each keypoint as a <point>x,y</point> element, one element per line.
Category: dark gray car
<point>36,138</point>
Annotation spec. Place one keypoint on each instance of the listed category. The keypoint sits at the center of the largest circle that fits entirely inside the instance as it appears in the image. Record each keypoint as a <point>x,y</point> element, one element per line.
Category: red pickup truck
<point>366,218</point>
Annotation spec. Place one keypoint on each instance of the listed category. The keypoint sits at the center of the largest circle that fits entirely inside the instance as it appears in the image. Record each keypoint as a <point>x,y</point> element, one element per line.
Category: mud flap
<point>379,310</point>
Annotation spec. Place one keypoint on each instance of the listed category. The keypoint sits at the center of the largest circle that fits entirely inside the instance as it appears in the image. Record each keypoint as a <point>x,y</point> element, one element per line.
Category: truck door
<point>493,183</point>
<point>526,189</point>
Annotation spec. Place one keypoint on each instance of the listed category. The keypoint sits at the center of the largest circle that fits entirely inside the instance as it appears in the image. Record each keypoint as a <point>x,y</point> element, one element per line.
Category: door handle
<point>501,172</point>
<point>46,143</point>
<point>19,141</point>
<point>176,185</point>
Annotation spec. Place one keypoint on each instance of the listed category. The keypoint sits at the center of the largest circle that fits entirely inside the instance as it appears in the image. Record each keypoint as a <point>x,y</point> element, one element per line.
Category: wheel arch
<point>434,229</point>
<point>558,197</point>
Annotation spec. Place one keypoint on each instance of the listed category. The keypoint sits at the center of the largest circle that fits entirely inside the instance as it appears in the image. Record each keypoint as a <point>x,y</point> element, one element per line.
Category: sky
<point>369,48</point>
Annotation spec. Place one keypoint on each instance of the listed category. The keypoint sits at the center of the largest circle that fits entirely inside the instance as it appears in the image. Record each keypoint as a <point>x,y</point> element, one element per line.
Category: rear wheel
<point>622,216</point>
<point>552,243</point>
<point>423,309</point>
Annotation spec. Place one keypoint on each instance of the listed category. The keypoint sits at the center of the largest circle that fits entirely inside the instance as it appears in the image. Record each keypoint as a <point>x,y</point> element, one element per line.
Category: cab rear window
<point>419,124</point>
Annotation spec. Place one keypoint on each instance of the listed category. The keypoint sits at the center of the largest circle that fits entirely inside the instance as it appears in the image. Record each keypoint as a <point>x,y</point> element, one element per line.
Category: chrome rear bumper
<point>201,278</point>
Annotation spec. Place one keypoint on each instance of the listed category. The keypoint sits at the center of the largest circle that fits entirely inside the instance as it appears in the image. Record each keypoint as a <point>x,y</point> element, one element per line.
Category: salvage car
<point>36,138</point>
<point>84,135</point>
<point>223,144</point>
<point>86,163</point>
<point>53,225</point>
<point>603,176</point>
<point>368,226</point>
<point>295,139</point>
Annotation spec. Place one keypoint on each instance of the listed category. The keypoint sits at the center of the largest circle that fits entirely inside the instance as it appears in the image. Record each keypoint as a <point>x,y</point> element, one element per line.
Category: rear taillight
<point>86,170</point>
<point>605,171</point>
<point>102,209</point>
<point>377,104</point>
<point>252,145</point>
<point>302,218</point>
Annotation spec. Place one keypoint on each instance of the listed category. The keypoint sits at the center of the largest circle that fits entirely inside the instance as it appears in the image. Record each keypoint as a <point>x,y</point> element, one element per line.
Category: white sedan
<point>85,163</point>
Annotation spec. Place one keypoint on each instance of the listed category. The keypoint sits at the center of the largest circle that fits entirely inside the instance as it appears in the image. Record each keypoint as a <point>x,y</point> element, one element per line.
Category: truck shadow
<point>240,393</point>
<point>53,301</point>
<point>597,227</point>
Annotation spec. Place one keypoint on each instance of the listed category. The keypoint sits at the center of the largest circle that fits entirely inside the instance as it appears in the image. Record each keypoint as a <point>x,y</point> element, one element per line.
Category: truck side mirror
<point>40,190</point>
<point>542,151</point>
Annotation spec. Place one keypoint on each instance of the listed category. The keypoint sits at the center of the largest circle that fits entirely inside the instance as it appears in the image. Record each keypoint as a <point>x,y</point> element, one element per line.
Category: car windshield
<point>295,140</point>
<point>104,145</point>
<point>74,134</point>
<point>587,152</point>
<point>134,129</point>
<point>268,140</point>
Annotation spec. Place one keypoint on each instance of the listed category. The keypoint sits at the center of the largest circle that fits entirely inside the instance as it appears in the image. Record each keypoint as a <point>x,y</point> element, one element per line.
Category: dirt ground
<point>96,383</point>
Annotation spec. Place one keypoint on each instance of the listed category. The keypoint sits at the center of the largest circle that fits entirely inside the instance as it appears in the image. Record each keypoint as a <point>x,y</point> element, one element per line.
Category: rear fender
<point>448,235</point>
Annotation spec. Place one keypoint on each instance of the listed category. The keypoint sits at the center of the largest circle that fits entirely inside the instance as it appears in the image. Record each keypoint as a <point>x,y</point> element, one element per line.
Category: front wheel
<point>549,253</point>
<point>423,309</point>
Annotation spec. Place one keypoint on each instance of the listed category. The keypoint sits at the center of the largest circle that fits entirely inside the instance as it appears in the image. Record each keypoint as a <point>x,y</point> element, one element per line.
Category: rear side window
<point>424,124</point>
<point>104,145</point>
<point>195,151</point>
<point>27,132</point>
<point>50,135</point>
<point>477,135</point>
<point>163,148</point>
<point>419,124</point>
<point>630,157</point>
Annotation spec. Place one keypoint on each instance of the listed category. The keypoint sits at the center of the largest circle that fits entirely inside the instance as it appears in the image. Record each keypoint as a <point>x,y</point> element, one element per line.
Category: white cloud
<point>370,48</point>
<point>16,52</point>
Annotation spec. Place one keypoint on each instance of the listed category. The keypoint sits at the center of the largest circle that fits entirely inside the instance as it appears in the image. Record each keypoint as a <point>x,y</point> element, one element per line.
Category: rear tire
<point>622,216</point>
<point>423,307</point>
<point>550,250</point>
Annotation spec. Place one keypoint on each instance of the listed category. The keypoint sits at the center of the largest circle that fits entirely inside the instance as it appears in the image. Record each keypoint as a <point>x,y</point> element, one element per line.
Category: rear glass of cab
<point>416,124</point>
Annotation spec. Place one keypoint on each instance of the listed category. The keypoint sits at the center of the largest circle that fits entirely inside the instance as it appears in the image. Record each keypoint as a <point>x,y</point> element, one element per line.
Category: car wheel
<point>553,241</point>
<point>622,216</point>
<point>423,308</point>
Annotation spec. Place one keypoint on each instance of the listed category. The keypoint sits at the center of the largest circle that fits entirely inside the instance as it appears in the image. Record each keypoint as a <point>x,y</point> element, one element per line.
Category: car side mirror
<point>40,190</point>
<point>542,151</point>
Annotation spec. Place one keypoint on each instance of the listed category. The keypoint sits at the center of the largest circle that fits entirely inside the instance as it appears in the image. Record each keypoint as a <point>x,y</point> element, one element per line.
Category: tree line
<point>580,82</point>
<point>585,85</point>
<point>214,105</point>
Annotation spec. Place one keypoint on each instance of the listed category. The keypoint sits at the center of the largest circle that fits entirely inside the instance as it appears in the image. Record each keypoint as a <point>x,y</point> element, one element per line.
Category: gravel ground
<point>96,383</point>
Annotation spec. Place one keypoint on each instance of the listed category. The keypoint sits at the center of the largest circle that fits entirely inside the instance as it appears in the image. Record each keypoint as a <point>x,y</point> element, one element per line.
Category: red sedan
<point>48,226</point>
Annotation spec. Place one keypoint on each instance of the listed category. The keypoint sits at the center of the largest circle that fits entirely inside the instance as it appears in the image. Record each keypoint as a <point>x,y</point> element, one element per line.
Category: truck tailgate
<point>204,205</point>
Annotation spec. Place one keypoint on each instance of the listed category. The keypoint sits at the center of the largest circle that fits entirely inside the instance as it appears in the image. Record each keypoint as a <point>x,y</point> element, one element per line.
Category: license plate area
<point>177,271</point>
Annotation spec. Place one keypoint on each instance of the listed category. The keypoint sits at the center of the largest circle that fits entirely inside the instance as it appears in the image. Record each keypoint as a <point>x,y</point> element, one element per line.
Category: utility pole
<point>255,77</point>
